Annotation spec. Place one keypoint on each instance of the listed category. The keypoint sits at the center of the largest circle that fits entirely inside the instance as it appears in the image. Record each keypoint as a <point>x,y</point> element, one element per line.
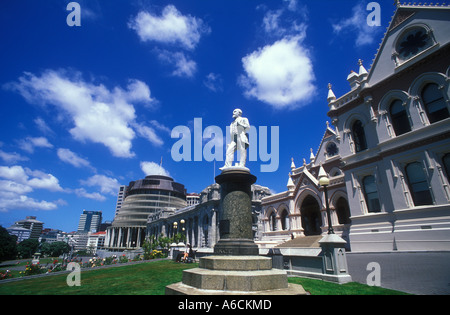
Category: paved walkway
<point>417,273</point>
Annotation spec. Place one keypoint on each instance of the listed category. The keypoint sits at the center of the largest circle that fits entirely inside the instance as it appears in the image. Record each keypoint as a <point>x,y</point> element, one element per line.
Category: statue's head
<point>237,113</point>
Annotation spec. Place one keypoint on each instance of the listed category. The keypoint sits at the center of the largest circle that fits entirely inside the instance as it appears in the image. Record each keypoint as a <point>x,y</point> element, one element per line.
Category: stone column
<point>235,213</point>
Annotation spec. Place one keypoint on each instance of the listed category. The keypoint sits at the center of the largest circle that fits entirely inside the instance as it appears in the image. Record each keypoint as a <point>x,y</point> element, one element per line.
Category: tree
<point>46,249</point>
<point>147,247</point>
<point>27,248</point>
<point>8,246</point>
<point>59,248</point>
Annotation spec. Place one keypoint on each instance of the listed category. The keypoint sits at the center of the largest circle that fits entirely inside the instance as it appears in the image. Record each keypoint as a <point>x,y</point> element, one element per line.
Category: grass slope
<point>151,279</point>
<point>146,278</point>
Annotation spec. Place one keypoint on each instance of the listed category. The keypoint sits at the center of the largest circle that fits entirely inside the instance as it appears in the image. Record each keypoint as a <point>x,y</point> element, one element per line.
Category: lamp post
<point>175,226</point>
<point>324,181</point>
<point>183,230</point>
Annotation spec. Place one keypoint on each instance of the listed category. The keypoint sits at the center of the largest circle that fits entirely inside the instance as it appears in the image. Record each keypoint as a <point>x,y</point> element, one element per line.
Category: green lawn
<point>151,278</point>
<point>319,287</point>
<point>146,278</point>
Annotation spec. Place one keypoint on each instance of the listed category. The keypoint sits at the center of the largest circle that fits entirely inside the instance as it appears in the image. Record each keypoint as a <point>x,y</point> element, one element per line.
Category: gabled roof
<point>328,135</point>
<point>403,13</point>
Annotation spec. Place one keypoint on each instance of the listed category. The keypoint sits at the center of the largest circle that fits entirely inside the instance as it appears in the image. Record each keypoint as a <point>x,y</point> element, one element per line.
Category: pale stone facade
<point>301,211</point>
<point>201,221</point>
<point>393,142</point>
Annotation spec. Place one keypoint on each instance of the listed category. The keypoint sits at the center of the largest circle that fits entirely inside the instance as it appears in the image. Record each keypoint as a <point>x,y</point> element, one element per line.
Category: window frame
<point>413,192</point>
<point>446,167</point>
<point>398,118</point>
<point>358,137</point>
<point>431,116</point>
<point>366,195</point>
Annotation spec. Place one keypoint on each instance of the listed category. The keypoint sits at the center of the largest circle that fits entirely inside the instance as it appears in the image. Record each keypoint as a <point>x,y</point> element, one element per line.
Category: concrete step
<point>259,280</point>
<point>231,263</point>
<point>302,242</point>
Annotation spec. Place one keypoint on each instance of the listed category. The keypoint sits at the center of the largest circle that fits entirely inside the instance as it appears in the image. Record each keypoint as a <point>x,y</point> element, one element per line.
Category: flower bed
<point>61,264</point>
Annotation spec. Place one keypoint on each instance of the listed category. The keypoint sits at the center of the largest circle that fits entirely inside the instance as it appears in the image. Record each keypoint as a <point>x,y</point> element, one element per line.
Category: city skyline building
<point>120,197</point>
<point>31,224</point>
<point>20,232</point>
<point>142,198</point>
<point>90,221</point>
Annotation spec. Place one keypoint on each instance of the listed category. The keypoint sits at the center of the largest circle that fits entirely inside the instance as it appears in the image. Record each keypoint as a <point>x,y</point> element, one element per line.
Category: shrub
<point>123,259</point>
<point>5,275</point>
<point>33,269</point>
<point>156,254</point>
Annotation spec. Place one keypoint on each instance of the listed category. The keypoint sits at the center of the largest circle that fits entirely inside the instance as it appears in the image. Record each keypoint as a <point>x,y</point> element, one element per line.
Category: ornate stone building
<point>390,175</point>
<point>395,140</point>
<point>200,222</point>
<point>301,210</point>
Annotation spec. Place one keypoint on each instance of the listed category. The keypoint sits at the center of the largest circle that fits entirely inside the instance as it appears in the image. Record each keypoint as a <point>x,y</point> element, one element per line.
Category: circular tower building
<point>142,198</point>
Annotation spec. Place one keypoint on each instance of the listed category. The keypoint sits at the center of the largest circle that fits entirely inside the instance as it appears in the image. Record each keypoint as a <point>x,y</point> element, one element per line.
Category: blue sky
<point>87,108</point>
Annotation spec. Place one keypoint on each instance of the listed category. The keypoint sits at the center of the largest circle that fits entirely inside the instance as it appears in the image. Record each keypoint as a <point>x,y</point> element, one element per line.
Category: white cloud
<point>288,20</point>
<point>72,158</point>
<point>280,74</point>
<point>148,133</point>
<point>184,67</point>
<point>213,82</point>
<point>98,114</point>
<point>15,201</point>
<point>14,187</point>
<point>171,27</point>
<point>151,168</point>
<point>357,25</point>
<point>138,91</point>
<point>160,126</point>
<point>271,22</point>
<point>42,126</point>
<point>81,192</point>
<point>44,181</point>
<point>30,143</point>
<point>107,185</point>
<point>292,5</point>
<point>13,157</point>
<point>16,182</point>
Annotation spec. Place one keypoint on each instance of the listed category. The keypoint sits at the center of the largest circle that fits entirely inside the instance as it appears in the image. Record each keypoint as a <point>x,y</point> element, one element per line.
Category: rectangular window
<point>371,194</point>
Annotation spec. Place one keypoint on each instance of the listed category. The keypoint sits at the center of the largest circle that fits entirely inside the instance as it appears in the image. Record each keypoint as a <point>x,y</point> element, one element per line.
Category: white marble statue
<point>239,141</point>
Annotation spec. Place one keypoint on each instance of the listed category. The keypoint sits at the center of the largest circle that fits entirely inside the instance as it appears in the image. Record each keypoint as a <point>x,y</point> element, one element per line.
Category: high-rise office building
<point>33,225</point>
<point>120,197</point>
<point>90,221</point>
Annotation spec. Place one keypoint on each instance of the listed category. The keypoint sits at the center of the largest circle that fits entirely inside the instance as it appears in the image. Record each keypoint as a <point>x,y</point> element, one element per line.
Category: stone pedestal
<point>235,267</point>
<point>234,275</point>
<point>235,225</point>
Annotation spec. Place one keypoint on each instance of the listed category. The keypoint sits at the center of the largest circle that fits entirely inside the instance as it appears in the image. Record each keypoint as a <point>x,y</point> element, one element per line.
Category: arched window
<point>412,42</point>
<point>446,160</point>
<point>418,184</point>
<point>359,136</point>
<point>343,211</point>
<point>435,105</point>
<point>399,118</point>
<point>273,222</point>
<point>371,194</point>
<point>284,220</point>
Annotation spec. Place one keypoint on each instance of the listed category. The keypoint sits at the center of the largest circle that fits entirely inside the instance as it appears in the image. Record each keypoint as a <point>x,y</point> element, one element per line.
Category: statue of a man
<point>239,141</point>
